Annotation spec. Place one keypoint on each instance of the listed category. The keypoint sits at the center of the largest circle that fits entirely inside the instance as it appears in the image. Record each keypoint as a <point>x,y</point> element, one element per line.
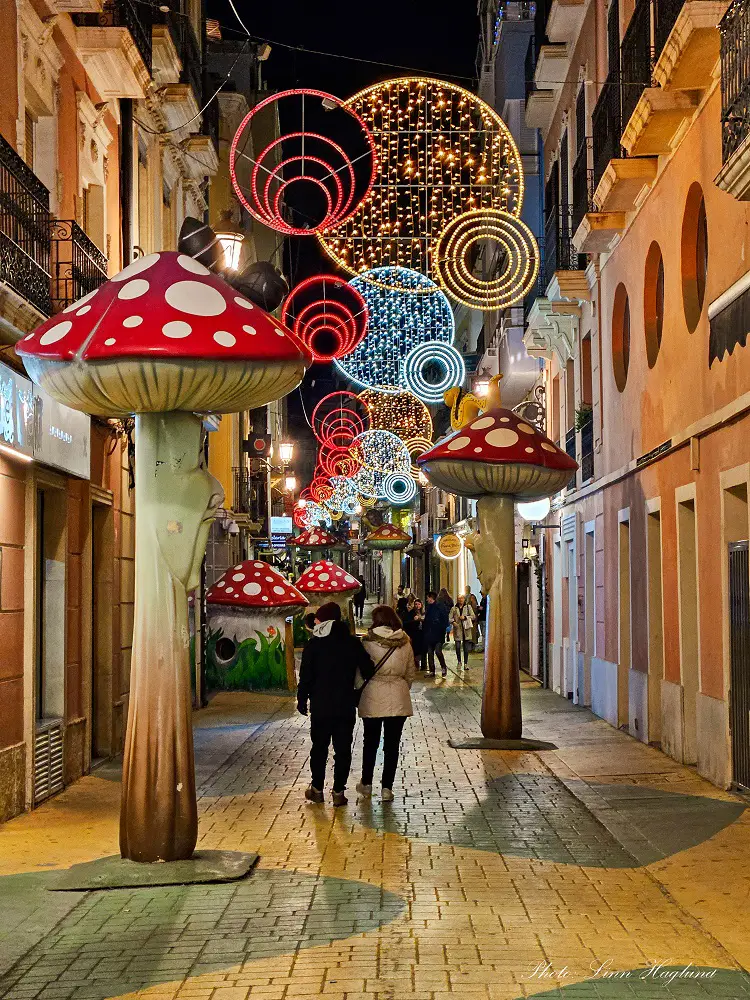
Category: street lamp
<point>290,483</point>
<point>534,510</point>
<point>231,244</point>
<point>286,452</point>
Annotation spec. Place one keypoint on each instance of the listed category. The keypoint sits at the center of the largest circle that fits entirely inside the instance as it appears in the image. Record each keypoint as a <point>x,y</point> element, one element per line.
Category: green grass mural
<point>258,662</point>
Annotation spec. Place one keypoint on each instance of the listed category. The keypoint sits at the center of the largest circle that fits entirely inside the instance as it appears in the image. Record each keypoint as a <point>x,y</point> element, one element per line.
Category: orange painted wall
<point>12,505</point>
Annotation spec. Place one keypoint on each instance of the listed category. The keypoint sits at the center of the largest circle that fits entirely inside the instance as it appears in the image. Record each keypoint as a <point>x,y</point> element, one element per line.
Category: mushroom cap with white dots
<point>325,577</point>
<point>254,584</point>
<point>498,454</point>
<point>314,538</point>
<point>164,334</point>
<point>386,537</point>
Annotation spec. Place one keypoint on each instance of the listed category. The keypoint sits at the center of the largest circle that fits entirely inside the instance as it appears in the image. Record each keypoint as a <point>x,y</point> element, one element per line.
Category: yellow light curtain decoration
<point>443,153</point>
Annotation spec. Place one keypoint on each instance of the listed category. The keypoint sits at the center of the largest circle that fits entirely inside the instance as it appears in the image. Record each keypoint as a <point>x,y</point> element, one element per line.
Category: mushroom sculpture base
<point>494,555</point>
<point>176,500</point>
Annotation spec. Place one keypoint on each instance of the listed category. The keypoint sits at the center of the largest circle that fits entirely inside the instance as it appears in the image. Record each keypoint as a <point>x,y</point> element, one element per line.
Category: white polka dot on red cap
<point>79,302</point>
<point>278,590</point>
<point>525,429</point>
<point>250,329</point>
<point>189,264</point>
<point>260,565</point>
<point>252,589</point>
<point>238,576</point>
<point>244,303</point>
<point>457,443</point>
<point>483,422</point>
<point>57,332</point>
<point>548,447</point>
<point>177,329</point>
<point>224,338</point>
<point>197,298</point>
<point>131,321</point>
<point>109,342</point>
<point>529,451</point>
<point>136,267</point>
<point>134,289</point>
<point>502,437</point>
<point>82,312</point>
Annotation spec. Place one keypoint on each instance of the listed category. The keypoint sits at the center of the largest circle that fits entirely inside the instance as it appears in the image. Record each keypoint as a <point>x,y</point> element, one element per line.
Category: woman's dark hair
<point>385,615</point>
<point>310,620</point>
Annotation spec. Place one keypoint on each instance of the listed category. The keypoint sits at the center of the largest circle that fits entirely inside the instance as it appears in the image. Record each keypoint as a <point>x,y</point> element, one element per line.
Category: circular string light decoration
<point>401,413</point>
<point>417,446</point>
<point>511,258</point>
<point>424,357</point>
<point>411,312</point>
<point>328,315</point>
<point>307,156</point>
<point>381,451</point>
<point>339,417</point>
<point>441,151</point>
<point>399,488</point>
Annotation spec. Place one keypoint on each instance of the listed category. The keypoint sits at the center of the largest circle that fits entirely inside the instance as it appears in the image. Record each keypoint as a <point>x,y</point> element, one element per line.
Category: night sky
<point>435,39</point>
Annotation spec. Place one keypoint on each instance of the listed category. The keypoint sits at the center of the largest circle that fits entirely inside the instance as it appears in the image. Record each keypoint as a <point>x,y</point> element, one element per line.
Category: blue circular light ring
<point>398,320</point>
<point>399,488</point>
<point>454,370</point>
<point>349,506</point>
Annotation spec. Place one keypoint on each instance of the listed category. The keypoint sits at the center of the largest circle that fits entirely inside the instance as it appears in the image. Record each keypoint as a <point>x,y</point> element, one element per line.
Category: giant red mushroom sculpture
<point>497,459</point>
<point>325,581</point>
<point>313,540</point>
<point>164,339</point>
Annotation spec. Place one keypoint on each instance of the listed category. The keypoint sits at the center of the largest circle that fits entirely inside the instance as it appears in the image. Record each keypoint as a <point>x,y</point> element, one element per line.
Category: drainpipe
<point>126,178</point>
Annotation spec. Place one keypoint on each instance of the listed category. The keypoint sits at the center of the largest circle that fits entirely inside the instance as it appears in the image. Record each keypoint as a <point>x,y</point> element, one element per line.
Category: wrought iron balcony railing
<point>24,230</point>
<point>606,126</point>
<point>587,449</point>
<point>78,265</point>
<point>136,17</point>
<point>636,58</point>
<point>665,16</point>
<point>735,76</point>
<point>583,184</point>
<point>561,254</point>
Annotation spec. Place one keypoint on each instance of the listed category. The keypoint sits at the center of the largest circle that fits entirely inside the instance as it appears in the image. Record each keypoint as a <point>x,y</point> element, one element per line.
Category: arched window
<point>694,255</point>
<point>653,302</point>
<point>621,337</point>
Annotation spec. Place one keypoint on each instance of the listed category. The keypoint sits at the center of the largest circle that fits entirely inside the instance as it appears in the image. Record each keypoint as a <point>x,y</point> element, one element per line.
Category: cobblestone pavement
<point>597,871</point>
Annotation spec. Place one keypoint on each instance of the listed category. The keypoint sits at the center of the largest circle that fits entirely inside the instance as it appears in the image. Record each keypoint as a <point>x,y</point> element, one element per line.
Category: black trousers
<point>324,730</point>
<point>467,648</point>
<point>436,649</point>
<point>392,727</point>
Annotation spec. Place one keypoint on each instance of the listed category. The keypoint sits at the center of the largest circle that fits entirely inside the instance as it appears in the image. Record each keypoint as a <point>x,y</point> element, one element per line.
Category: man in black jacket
<point>327,675</point>
<point>434,627</point>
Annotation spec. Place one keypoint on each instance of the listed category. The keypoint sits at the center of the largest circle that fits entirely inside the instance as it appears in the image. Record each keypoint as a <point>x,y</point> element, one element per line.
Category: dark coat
<point>328,670</point>
<point>413,629</point>
<point>435,623</point>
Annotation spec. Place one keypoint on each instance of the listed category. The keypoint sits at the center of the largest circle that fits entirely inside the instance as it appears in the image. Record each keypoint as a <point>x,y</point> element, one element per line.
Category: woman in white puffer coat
<point>385,703</point>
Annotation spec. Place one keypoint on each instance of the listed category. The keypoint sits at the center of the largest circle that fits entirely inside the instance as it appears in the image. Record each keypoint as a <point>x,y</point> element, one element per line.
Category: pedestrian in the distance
<point>434,627</point>
<point>359,599</point>
<point>330,662</point>
<point>471,599</point>
<point>385,702</point>
<point>413,623</point>
<point>445,598</point>
<point>463,621</point>
<point>482,618</point>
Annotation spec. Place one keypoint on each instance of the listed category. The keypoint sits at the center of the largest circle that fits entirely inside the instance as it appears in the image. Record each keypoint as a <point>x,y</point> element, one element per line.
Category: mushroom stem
<point>494,554</point>
<point>387,567</point>
<point>176,499</point>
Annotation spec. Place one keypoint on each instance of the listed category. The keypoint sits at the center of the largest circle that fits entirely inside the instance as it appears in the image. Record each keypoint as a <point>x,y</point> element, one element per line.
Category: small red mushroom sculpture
<point>387,538</point>
<point>248,607</point>
<point>165,339</point>
<point>313,540</point>
<point>498,458</point>
<point>325,581</point>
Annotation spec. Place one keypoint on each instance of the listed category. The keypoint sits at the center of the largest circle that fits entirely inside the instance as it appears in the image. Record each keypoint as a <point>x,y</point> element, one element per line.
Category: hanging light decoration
<point>423,357</point>
<point>414,311</point>
<point>306,155</point>
<point>509,247</point>
<point>381,452</point>
<point>441,151</point>
<point>401,413</point>
<point>328,315</point>
<point>399,488</point>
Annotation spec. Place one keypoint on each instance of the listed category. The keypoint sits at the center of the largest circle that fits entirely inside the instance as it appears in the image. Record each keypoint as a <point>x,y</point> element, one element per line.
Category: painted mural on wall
<point>247,631</point>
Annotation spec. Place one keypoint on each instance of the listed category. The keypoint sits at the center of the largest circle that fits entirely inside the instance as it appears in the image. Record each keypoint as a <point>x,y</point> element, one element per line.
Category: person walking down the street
<point>434,627</point>
<point>471,599</point>
<point>463,621</point>
<point>385,702</point>
<point>358,601</point>
<point>413,626</point>
<point>331,661</point>
<point>445,598</point>
<point>482,617</point>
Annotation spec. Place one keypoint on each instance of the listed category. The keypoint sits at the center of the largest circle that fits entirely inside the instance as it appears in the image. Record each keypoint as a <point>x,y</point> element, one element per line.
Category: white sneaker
<point>364,790</point>
<point>387,795</point>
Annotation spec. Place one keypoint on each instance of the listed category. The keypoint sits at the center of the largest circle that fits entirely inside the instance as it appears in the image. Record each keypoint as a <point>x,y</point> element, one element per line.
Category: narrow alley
<point>601,869</point>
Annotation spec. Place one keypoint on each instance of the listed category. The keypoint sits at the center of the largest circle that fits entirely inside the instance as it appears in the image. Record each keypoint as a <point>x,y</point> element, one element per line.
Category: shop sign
<point>62,436</point>
<point>449,546</point>
<point>282,526</point>
<point>16,412</point>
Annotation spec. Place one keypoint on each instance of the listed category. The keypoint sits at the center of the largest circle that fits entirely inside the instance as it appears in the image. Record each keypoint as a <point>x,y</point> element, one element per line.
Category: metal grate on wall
<point>48,760</point>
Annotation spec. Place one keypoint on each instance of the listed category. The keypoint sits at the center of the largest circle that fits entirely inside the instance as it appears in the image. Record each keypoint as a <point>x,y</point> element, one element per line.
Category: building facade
<point>103,152</point>
<point>641,330</point>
